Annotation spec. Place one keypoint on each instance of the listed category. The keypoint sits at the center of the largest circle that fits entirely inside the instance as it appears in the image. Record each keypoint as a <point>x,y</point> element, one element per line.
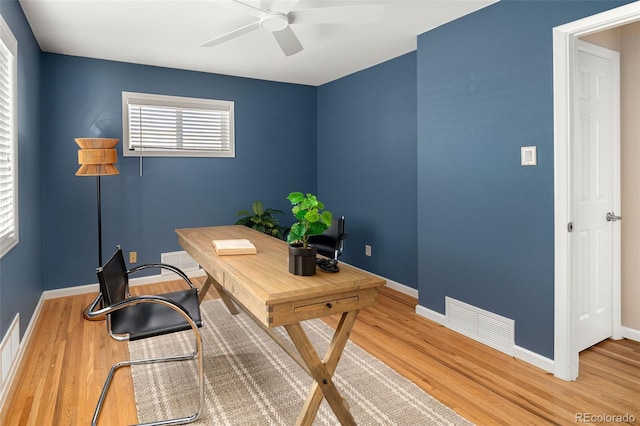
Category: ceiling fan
<point>277,16</point>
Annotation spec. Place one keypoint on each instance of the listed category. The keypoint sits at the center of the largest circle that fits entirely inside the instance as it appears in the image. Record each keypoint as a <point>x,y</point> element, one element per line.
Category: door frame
<point>566,359</point>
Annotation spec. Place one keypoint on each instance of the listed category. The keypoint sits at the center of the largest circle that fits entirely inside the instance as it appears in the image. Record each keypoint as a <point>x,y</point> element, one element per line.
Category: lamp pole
<point>99,226</point>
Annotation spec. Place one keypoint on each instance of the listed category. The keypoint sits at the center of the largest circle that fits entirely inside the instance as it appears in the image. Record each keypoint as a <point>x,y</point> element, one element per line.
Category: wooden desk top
<point>263,285</point>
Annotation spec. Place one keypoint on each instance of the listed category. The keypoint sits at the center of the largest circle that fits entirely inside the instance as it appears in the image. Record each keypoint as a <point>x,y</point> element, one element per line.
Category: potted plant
<point>312,219</point>
<point>261,220</point>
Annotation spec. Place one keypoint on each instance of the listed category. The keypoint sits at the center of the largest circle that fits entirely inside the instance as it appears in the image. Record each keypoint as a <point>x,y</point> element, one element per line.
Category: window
<point>8,139</point>
<point>170,126</point>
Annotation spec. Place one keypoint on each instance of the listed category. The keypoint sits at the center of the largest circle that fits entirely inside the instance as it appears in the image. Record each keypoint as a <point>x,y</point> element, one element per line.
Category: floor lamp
<point>97,157</point>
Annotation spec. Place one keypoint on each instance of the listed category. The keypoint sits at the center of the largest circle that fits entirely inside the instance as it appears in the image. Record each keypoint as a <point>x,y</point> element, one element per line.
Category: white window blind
<point>8,140</point>
<point>157,125</point>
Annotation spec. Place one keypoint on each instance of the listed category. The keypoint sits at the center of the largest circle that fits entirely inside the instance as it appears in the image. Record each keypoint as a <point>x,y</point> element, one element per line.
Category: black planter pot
<point>302,261</point>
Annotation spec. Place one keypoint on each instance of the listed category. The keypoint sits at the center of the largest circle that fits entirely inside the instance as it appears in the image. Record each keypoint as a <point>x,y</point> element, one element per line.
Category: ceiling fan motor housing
<point>274,22</point>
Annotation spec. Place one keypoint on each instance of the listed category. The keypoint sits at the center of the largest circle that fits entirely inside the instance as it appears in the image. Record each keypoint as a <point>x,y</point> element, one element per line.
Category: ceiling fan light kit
<point>278,22</point>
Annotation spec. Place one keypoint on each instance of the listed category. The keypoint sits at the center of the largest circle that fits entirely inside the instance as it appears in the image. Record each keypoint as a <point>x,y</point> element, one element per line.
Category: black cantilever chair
<point>330,244</point>
<point>140,317</point>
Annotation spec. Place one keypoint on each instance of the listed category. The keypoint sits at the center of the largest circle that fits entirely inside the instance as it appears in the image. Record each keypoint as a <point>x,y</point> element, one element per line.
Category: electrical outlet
<point>367,250</point>
<point>133,256</point>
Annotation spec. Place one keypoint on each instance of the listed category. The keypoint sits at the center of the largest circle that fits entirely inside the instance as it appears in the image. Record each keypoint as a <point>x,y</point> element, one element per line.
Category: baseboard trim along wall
<point>631,334</point>
<point>409,291</point>
<point>515,351</point>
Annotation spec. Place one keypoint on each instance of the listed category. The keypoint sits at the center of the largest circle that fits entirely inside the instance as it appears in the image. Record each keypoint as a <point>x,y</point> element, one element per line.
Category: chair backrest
<point>329,243</point>
<point>113,279</point>
<point>336,230</point>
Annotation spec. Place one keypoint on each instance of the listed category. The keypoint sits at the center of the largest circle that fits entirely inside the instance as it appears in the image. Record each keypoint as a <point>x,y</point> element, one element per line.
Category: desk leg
<point>221,291</point>
<point>205,288</point>
<point>322,371</point>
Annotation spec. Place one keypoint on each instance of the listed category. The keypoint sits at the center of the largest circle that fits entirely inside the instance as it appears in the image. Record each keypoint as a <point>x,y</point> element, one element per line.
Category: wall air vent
<point>484,326</point>
<point>179,259</point>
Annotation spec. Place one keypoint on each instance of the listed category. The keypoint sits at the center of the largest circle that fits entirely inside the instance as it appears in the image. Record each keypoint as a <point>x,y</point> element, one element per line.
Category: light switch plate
<point>528,156</point>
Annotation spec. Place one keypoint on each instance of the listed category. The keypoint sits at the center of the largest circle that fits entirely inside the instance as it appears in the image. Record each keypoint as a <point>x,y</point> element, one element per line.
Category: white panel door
<point>596,189</point>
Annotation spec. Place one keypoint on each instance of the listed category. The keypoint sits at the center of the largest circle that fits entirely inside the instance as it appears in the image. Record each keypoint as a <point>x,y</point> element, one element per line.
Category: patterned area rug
<point>251,381</point>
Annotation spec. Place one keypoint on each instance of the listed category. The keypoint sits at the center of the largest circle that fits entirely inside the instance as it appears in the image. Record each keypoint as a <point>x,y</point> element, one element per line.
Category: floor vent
<point>484,326</point>
<point>179,259</point>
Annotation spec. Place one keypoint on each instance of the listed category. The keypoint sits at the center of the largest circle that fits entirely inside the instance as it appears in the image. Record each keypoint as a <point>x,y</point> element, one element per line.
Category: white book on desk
<point>239,246</point>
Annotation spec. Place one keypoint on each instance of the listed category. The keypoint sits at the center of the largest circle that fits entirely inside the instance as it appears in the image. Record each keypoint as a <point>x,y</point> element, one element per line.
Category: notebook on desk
<point>228,247</point>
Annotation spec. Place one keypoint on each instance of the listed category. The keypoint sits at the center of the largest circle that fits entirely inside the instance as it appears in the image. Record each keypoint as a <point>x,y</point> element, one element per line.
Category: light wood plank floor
<point>68,359</point>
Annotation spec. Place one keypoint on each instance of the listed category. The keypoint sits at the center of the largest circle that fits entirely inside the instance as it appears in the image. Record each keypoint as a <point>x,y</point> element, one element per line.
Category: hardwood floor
<point>67,361</point>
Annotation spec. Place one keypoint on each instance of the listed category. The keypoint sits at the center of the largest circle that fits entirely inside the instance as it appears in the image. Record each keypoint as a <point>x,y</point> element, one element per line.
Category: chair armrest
<point>89,314</point>
<point>162,266</point>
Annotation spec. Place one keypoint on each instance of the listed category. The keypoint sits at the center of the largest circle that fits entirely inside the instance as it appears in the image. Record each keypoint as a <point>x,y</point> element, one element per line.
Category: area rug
<point>251,381</point>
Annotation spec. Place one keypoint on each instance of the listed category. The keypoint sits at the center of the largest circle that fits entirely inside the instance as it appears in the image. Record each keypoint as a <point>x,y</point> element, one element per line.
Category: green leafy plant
<point>261,219</point>
<point>311,218</point>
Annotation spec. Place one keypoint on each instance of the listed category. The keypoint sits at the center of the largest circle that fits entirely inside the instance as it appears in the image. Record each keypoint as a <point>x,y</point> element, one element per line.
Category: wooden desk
<point>262,285</point>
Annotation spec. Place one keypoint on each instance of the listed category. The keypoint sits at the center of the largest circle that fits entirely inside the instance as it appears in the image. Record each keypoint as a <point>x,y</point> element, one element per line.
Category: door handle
<point>611,217</point>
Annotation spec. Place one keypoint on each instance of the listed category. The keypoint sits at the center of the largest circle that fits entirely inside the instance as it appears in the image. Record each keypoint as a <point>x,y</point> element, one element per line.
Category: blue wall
<point>367,165</point>
<point>275,126</point>
<point>20,269</point>
<point>486,223</point>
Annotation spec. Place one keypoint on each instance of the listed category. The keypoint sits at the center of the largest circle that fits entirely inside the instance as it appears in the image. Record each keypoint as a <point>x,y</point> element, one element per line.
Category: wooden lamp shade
<point>97,156</point>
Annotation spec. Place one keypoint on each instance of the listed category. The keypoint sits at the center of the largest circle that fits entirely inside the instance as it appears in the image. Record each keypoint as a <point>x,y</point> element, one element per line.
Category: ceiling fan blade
<point>247,8</point>
<point>231,35</point>
<point>288,41</point>
<point>366,14</point>
<point>283,6</point>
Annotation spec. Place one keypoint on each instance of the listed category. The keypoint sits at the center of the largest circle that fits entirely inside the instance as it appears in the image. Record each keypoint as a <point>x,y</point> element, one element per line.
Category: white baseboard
<point>631,334</point>
<point>518,352</point>
<point>431,315</point>
<point>409,291</point>
<point>534,359</point>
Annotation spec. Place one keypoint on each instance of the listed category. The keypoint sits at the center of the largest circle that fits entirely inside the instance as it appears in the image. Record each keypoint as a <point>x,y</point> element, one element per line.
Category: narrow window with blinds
<point>171,126</point>
<point>8,140</point>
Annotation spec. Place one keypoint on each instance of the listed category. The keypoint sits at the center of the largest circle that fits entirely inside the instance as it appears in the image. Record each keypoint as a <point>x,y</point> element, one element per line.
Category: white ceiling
<point>169,33</point>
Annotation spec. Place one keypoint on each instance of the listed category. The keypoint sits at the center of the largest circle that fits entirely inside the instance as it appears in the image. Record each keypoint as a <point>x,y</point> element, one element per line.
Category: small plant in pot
<point>261,220</point>
<point>312,219</point>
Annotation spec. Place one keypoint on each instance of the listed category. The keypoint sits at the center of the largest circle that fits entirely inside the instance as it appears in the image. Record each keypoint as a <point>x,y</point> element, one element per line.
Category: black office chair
<point>140,317</point>
<point>330,244</point>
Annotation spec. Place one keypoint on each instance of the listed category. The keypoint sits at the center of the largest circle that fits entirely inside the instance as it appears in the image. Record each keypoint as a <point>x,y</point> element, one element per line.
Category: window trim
<point>177,101</point>
<point>9,241</point>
